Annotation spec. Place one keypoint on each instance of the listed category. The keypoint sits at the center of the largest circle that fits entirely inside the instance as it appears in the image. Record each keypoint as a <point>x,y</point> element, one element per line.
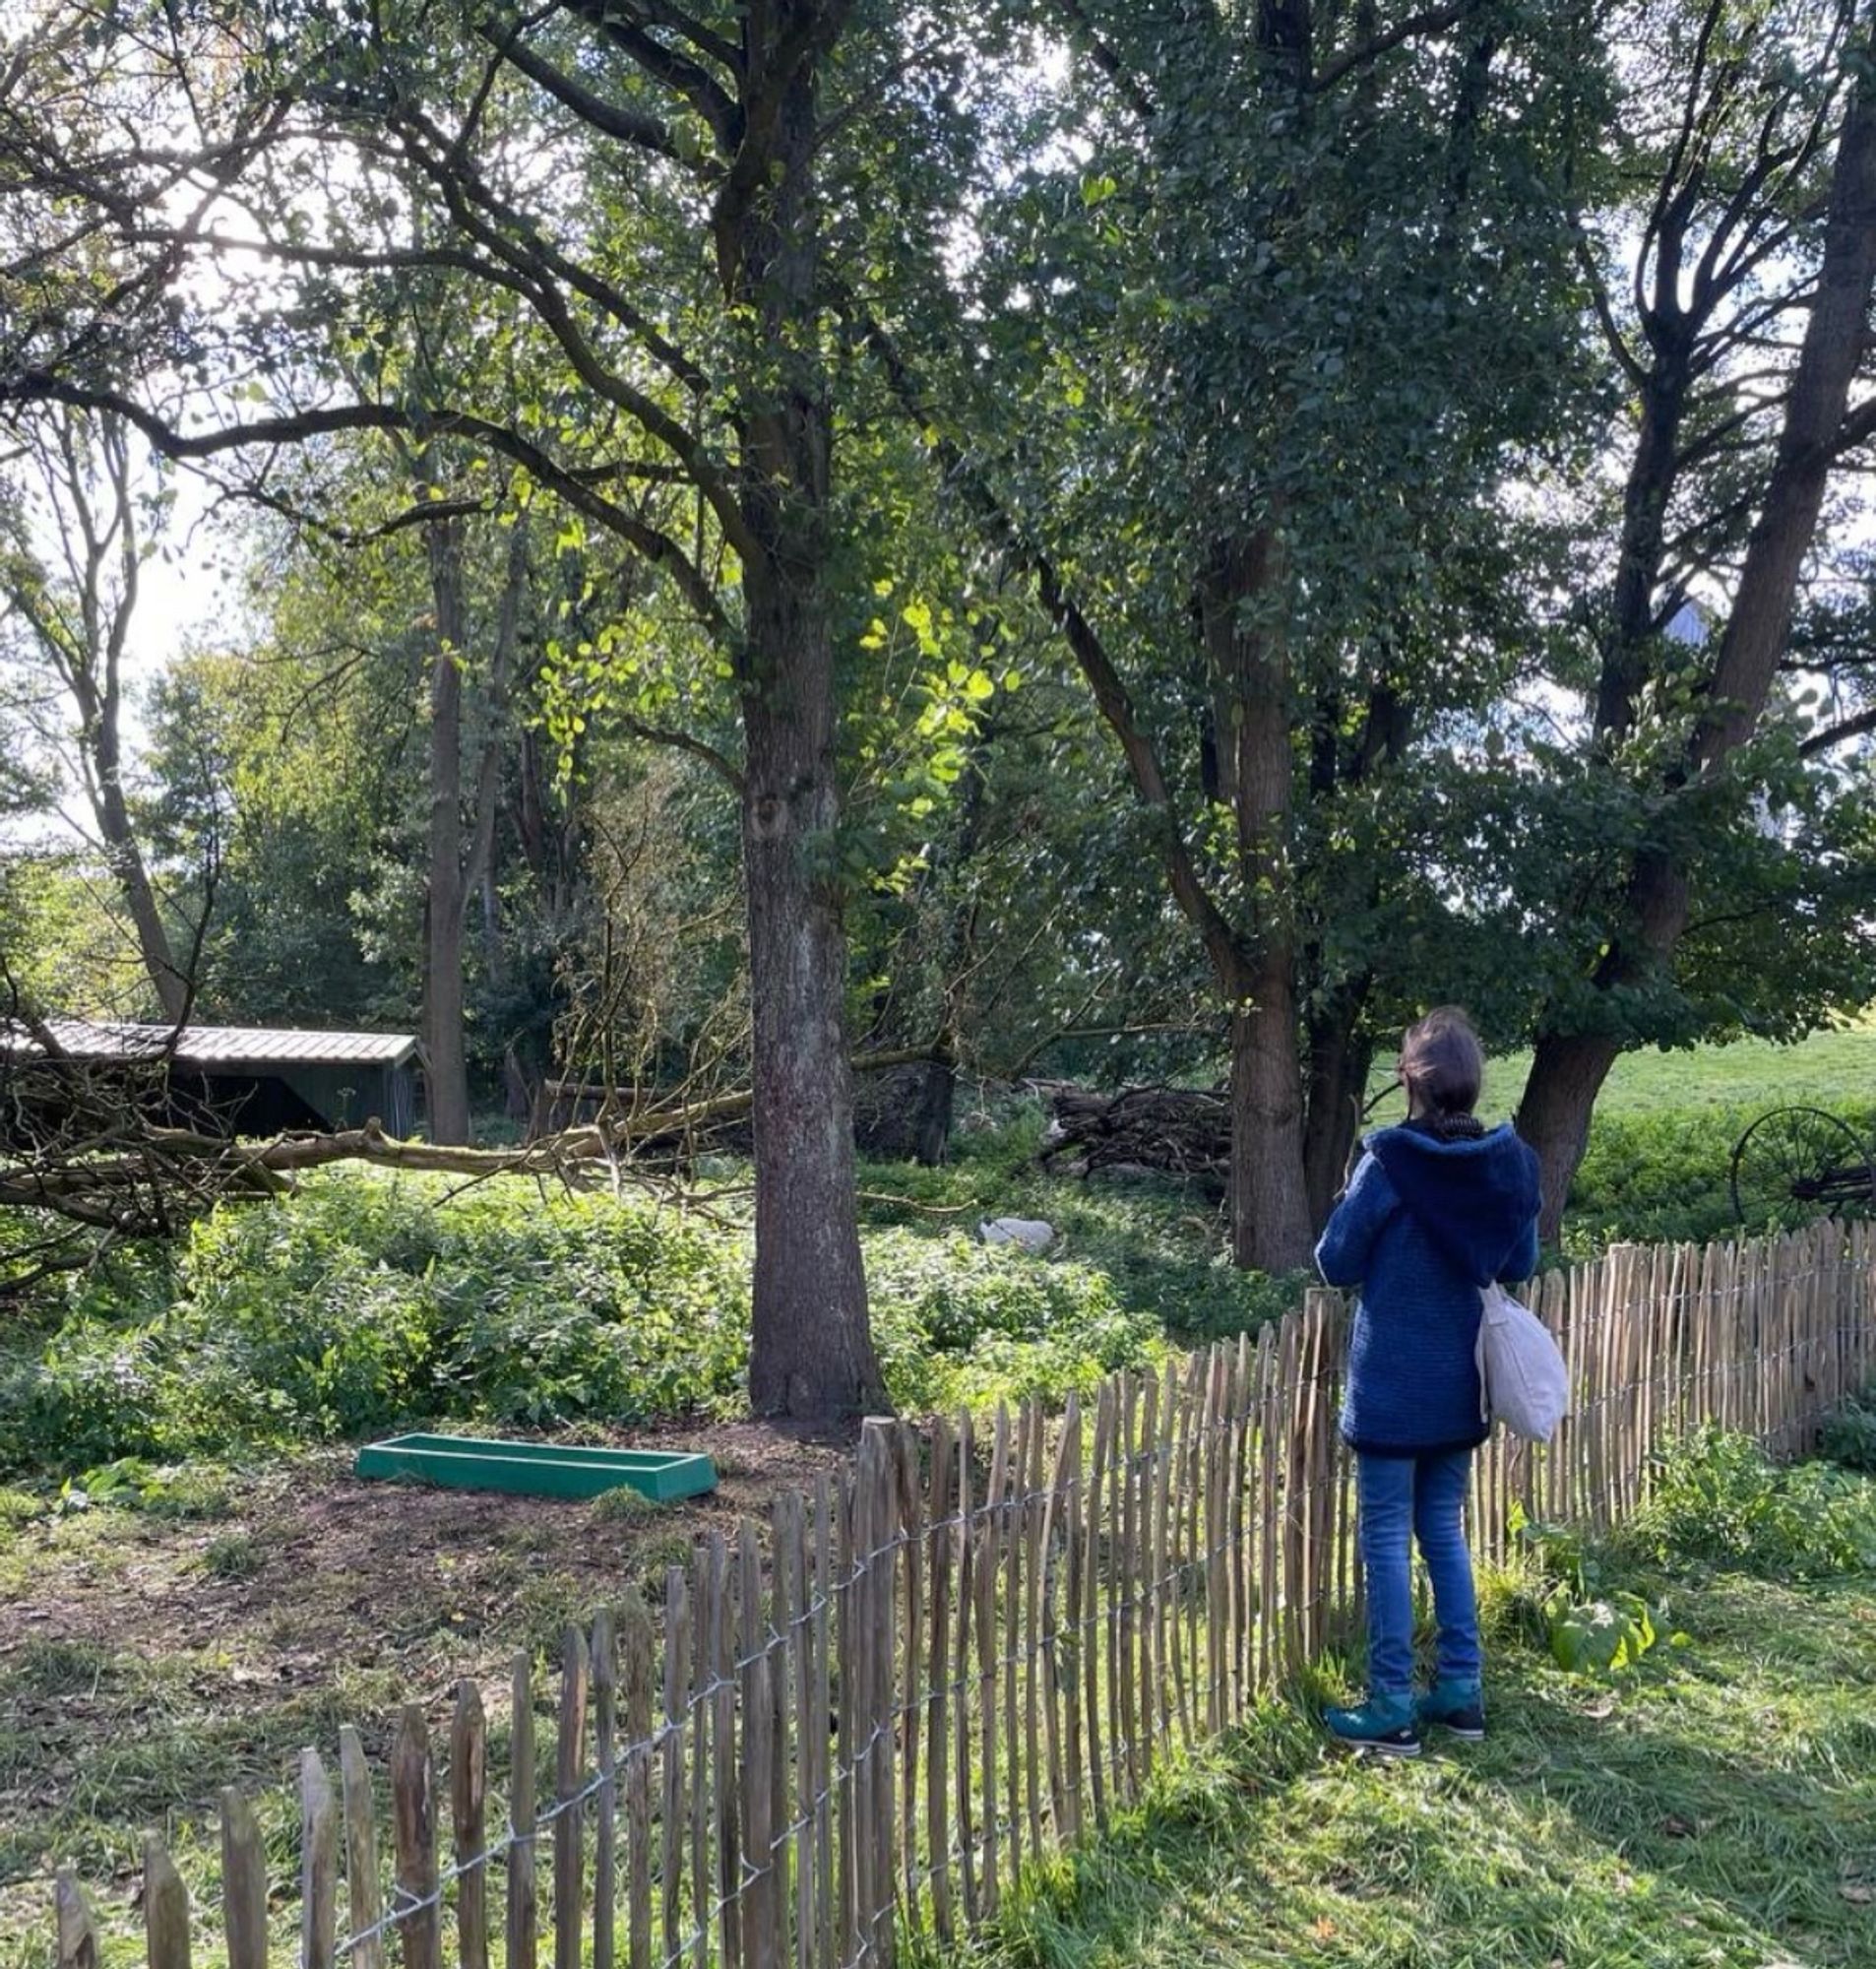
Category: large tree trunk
<point>1270,1214</point>
<point>1339,1062</point>
<point>811,1351</point>
<point>446,1069</point>
<point>1242,603</point>
<point>1567,1073</point>
<point>937,1105</point>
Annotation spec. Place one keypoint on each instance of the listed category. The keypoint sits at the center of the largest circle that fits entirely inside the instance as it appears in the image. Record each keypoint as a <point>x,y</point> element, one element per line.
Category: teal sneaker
<point>1458,1706</point>
<point>1385,1724</point>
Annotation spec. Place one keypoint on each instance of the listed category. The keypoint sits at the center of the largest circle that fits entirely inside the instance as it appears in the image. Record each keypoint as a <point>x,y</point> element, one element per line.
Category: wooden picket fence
<point>863,1721</point>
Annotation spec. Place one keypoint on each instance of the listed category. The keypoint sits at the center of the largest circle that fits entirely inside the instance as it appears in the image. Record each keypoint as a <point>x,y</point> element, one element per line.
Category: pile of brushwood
<point>1177,1132</point>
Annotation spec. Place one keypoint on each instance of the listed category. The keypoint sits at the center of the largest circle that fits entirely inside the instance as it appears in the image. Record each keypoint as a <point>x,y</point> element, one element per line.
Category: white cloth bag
<point>1522,1380</point>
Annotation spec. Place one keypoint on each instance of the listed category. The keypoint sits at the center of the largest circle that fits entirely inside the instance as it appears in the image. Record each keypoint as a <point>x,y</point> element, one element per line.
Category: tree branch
<point>1101,52</point>
<point>610,119</point>
<point>682,742</point>
<point>694,82</point>
<point>1431,21</point>
<point>1862,723</point>
<point>655,546</point>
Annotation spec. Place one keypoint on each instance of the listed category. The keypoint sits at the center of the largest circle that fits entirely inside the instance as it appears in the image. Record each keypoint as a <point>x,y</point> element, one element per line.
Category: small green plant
<point>18,1508</point>
<point>623,1506</point>
<point>1591,1623</point>
<point>164,1489</point>
<point>232,1556</point>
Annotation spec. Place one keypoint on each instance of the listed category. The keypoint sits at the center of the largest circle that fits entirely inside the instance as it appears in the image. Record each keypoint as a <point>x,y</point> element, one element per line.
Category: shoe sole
<point>1466,1733</point>
<point>1378,1749</point>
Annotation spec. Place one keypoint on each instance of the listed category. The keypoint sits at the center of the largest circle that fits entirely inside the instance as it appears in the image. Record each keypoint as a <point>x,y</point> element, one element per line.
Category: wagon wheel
<point>1794,1163</point>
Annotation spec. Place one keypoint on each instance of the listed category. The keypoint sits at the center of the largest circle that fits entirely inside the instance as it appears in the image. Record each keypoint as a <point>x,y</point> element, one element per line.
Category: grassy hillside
<point>1832,1070</point>
<point>1829,1069</point>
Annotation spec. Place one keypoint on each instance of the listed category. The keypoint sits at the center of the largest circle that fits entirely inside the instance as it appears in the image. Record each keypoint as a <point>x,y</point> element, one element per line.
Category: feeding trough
<point>536,1469</point>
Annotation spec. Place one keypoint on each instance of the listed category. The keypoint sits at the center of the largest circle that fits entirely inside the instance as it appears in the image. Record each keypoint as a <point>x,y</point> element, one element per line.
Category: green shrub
<point>1159,1242</point>
<point>958,1324</point>
<point>1664,1177</point>
<point>1849,1435</point>
<point>370,1302</point>
<point>1718,1502</point>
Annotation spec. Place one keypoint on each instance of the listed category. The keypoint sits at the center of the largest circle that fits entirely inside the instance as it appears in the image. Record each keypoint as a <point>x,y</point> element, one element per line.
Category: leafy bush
<point>958,1324</point>
<point>1849,1436</point>
<point>370,1302</point>
<point>1719,1501</point>
<point>1158,1242</point>
<point>1664,1178</point>
<point>367,1302</point>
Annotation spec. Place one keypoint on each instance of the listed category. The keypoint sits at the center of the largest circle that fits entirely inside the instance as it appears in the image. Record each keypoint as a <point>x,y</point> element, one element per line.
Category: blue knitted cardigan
<point>1422,1226</point>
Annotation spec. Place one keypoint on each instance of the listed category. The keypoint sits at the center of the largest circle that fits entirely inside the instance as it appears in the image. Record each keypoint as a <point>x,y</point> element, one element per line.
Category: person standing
<point>1436,1210</point>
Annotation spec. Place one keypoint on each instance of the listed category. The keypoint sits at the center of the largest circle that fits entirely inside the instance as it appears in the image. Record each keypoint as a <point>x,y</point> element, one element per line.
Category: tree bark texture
<point>1242,601</point>
<point>1338,1079</point>
<point>811,1352</point>
<point>446,1066</point>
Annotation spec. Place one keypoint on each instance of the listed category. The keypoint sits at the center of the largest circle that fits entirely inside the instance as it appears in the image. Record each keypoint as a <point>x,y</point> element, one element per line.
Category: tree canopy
<point>1129,540</point>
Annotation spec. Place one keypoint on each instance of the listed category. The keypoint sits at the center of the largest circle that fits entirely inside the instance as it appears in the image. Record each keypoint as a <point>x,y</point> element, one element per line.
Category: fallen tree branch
<point>148,1180</point>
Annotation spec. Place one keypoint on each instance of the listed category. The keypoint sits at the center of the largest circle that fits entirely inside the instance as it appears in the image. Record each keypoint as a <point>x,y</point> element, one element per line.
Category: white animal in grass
<point>1031,1232</point>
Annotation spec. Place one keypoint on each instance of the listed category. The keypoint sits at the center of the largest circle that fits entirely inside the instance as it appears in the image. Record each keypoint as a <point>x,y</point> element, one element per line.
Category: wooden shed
<point>247,1080</point>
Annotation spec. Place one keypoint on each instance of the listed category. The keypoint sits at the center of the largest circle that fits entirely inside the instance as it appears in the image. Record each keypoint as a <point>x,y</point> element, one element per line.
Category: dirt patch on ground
<point>146,1661</point>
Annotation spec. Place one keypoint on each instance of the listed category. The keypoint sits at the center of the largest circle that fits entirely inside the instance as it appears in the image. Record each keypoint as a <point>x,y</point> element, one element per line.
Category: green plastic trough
<point>536,1469</point>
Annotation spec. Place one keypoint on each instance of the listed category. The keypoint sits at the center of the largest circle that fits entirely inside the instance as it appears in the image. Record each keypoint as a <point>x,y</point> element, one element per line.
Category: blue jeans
<point>1404,1498</point>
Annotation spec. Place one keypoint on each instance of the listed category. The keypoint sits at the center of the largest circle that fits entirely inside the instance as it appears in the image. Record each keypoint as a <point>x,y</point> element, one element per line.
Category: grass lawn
<point>1829,1069</point>
<point>1716,1806</point>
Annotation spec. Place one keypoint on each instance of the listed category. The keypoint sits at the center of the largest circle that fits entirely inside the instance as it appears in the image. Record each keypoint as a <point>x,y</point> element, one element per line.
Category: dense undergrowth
<point>1662,1178</point>
<point>372,1301</point>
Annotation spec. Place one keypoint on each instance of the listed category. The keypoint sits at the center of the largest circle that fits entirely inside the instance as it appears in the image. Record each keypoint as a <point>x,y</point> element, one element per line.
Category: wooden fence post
<point>166,1910</point>
<point>318,1865</point>
<point>243,1883</point>
<point>413,1820</point>
<point>468,1824</point>
<point>524,1917</point>
<point>77,1943</point>
<point>602,1657</point>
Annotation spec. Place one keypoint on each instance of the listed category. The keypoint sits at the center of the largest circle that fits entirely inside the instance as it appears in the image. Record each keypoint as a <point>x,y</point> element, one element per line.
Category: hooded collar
<point>1473,1197</point>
